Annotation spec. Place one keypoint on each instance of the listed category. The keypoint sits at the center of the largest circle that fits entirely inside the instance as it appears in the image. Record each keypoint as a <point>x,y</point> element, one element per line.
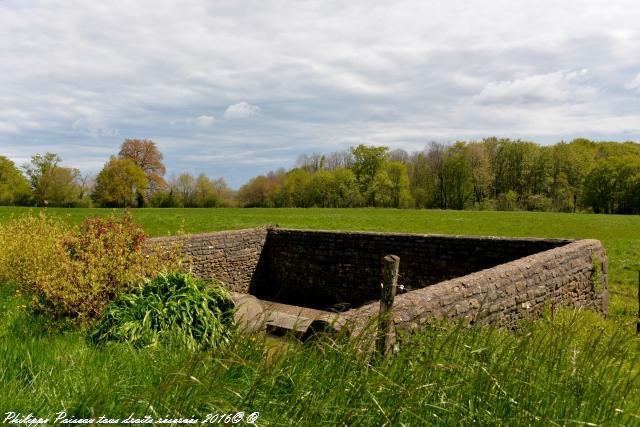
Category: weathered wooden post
<point>638,323</point>
<point>390,266</point>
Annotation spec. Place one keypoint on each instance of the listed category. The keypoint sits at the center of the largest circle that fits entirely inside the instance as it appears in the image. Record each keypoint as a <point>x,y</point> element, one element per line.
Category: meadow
<point>620,234</point>
<point>571,368</point>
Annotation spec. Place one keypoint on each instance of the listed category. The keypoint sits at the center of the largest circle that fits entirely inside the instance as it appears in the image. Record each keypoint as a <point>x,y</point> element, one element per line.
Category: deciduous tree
<point>258,192</point>
<point>146,155</point>
<point>14,187</point>
<point>52,185</point>
<point>204,193</point>
<point>480,168</point>
<point>399,178</point>
<point>367,162</point>
<point>120,183</point>
<point>186,187</point>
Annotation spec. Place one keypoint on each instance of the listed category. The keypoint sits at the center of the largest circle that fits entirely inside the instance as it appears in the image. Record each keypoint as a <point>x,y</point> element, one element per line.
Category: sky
<point>238,88</point>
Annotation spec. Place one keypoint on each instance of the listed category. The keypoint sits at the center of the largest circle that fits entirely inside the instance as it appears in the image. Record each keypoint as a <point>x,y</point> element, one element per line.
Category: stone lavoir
<point>302,277</point>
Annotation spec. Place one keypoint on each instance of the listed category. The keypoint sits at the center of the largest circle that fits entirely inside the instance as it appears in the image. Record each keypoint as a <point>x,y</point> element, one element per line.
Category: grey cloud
<point>321,76</point>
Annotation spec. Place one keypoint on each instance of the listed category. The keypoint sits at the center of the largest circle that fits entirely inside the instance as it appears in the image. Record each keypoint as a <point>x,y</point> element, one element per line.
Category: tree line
<point>132,178</point>
<point>493,174</point>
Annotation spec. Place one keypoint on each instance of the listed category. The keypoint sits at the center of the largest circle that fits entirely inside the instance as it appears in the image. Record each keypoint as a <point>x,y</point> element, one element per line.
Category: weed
<point>173,306</point>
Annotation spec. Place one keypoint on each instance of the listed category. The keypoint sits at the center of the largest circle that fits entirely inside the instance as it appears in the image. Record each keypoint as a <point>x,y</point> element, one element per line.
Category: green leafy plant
<point>174,306</point>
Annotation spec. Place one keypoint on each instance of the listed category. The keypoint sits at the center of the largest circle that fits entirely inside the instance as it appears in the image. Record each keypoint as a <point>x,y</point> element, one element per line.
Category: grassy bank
<point>585,371</point>
<point>574,368</point>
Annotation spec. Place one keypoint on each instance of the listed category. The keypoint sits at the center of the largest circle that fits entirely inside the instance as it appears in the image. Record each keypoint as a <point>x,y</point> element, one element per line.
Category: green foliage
<point>33,252</point>
<point>477,157</point>
<point>580,175</point>
<point>570,164</point>
<point>187,191</point>
<point>53,185</point>
<point>379,190</point>
<point>323,189</point>
<point>145,154</point>
<point>164,199</point>
<point>200,192</point>
<point>59,187</point>
<point>367,162</point>
<point>260,191</point>
<point>456,175</point>
<point>487,174</point>
<point>613,185</point>
<point>121,183</point>
<point>507,201</point>
<point>39,166</point>
<point>174,305</point>
<point>76,272</point>
<point>295,190</point>
<point>14,187</point>
<point>205,194</point>
<point>185,188</point>
<point>537,202</point>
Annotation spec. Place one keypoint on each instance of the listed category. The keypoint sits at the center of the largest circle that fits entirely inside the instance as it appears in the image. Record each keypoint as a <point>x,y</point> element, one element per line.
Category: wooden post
<point>638,323</point>
<point>390,266</point>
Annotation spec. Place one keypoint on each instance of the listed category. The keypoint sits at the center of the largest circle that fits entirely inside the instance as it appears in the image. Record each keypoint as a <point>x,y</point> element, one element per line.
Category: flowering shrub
<point>76,272</point>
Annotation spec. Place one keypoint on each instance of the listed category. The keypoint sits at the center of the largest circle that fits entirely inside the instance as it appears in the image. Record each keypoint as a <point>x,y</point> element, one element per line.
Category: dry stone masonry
<point>230,256</point>
<point>482,279</point>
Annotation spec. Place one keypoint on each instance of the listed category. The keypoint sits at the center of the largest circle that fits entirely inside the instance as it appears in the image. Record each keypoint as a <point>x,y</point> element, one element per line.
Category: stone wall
<point>231,256</point>
<point>574,274</point>
<point>483,279</point>
<point>325,269</point>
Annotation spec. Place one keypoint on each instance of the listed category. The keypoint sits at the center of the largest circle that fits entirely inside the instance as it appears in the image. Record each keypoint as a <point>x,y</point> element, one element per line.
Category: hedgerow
<point>75,272</point>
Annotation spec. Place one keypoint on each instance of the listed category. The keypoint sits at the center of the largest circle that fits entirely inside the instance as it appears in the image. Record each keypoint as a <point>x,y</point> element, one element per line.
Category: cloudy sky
<point>236,88</point>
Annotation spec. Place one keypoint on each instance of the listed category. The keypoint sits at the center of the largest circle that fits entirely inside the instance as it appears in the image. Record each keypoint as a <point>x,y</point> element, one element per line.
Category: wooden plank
<point>283,323</point>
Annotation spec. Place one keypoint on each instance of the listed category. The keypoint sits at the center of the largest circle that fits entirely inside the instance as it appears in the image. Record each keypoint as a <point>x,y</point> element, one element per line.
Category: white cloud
<point>634,84</point>
<point>8,128</point>
<point>204,120</point>
<point>241,110</point>
<point>558,86</point>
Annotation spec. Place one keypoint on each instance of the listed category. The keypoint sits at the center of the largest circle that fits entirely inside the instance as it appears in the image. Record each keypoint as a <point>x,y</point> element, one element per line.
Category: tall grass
<point>571,369</point>
<point>174,306</point>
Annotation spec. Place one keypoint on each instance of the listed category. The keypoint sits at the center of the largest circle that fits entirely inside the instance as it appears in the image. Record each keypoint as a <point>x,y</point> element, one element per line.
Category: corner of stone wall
<point>573,274</point>
<point>599,273</point>
<point>231,256</point>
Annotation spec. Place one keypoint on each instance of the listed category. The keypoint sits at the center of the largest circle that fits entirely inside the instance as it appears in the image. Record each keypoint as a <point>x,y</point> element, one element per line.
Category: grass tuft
<point>175,307</point>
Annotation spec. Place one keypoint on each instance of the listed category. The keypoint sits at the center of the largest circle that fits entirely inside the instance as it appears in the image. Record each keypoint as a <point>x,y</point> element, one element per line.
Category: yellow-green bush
<point>76,272</point>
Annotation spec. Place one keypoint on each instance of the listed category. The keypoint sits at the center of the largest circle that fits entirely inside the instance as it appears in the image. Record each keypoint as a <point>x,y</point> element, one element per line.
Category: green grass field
<point>572,369</point>
<point>619,234</point>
